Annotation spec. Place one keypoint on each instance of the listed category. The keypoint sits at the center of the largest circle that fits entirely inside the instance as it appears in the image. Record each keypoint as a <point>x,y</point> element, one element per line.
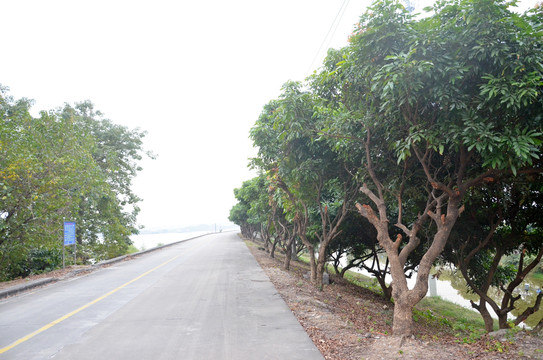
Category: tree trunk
<point>310,250</point>
<point>344,269</point>
<point>252,232</point>
<point>502,321</point>
<point>320,267</point>
<point>274,246</point>
<point>294,253</point>
<point>265,236</point>
<point>288,252</point>
<point>405,299</point>
<point>487,318</point>
<point>321,261</point>
<point>312,264</point>
<point>320,272</point>
<point>288,256</point>
<point>402,325</point>
<point>267,244</point>
<point>387,290</point>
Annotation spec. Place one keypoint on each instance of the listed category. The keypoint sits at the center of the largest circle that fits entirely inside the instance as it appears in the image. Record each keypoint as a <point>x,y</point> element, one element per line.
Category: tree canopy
<point>68,164</point>
<point>423,113</point>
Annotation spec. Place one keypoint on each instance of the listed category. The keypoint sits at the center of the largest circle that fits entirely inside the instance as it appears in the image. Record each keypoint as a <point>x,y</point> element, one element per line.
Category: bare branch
<point>371,171</point>
<point>367,212</point>
<point>435,184</point>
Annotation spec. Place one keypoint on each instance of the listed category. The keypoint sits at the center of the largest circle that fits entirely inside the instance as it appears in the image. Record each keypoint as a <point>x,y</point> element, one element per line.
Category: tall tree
<point>107,213</point>
<point>313,179</point>
<point>42,160</point>
<point>68,164</point>
<point>252,209</point>
<point>455,96</point>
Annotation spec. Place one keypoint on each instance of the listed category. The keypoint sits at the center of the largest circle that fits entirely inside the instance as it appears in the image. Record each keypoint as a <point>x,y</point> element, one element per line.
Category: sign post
<point>69,238</point>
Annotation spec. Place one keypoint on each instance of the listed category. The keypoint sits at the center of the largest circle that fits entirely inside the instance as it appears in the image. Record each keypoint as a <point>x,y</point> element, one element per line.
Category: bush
<point>44,259</point>
<point>34,261</point>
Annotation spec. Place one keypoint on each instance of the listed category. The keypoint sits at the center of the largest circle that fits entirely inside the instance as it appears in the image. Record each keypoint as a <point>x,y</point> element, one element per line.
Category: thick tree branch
<point>369,167</point>
<point>529,311</point>
<point>423,160</point>
<point>481,244</point>
<point>400,201</point>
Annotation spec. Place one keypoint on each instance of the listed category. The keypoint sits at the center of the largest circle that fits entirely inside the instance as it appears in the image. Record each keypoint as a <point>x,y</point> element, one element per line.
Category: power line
<point>329,36</point>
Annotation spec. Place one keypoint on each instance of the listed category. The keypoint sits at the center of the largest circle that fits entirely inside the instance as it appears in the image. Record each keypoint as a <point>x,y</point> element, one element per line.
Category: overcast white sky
<point>193,74</point>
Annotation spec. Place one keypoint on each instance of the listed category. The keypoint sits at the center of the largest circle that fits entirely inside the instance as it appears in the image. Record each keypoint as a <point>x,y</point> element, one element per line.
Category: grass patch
<point>467,324</point>
<point>131,250</point>
<point>537,276</point>
<point>452,311</point>
<point>249,243</point>
<point>364,281</point>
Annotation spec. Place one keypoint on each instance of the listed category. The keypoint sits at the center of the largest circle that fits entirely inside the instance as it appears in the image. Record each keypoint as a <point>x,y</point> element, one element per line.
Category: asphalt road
<point>202,299</point>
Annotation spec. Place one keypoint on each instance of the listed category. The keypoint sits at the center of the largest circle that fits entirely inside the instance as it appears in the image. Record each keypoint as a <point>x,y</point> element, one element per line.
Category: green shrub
<point>33,261</point>
<point>43,259</point>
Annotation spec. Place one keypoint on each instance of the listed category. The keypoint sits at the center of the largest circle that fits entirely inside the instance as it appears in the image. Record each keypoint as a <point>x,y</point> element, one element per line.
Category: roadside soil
<point>349,322</point>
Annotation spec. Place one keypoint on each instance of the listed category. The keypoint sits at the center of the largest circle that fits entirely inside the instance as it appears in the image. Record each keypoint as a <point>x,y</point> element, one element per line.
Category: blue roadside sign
<point>69,233</point>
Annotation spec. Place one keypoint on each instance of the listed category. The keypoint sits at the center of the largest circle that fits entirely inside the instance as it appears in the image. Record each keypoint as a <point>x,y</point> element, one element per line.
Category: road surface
<point>202,299</point>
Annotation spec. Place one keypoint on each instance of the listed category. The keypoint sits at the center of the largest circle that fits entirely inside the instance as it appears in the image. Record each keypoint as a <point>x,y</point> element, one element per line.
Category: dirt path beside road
<point>348,322</point>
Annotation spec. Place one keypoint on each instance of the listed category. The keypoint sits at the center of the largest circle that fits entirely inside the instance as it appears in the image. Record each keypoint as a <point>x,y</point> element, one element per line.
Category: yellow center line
<point>60,319</point>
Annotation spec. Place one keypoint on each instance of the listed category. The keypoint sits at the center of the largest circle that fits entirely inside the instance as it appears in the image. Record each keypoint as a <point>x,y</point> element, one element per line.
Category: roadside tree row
<point>421,139</point>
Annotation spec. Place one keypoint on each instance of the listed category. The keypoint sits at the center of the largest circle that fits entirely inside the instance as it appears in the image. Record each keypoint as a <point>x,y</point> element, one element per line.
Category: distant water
<point>148,241</point>
<point>444,288</point>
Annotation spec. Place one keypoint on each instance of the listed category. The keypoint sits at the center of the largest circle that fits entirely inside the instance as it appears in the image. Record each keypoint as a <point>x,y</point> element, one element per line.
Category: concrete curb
<point>25,287</point>
<point>129,256</point>
<point>40,282</point>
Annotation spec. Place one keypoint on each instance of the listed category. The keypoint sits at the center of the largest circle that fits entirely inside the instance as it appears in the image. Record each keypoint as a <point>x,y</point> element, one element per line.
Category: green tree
<point>252,210</point>
<point>42,160</point>
<point>456,97</point>
<point>68,164</point>
<point>107,213</point>
<point>313,179</point>
<point>503,217</point>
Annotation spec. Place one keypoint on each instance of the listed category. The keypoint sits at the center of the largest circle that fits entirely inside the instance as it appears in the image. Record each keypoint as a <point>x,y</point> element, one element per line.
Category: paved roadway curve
<point>202,299</point>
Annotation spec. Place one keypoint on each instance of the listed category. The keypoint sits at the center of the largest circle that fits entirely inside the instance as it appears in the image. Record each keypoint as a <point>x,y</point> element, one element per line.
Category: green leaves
<point>514,93</point>
<point>522,145</point>
<point>65,164</point>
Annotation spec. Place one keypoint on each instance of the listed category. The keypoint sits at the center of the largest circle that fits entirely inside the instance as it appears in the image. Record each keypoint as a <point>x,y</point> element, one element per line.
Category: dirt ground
<point>348,322</point>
